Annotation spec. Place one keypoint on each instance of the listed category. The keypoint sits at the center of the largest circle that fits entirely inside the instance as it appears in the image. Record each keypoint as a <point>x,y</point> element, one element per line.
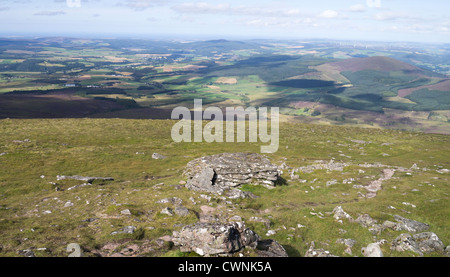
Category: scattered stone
<point>372,250</point>
<point>357,141</point>
<point>331,182</point>
<point>21,141</point>
<point>27,253</point>
<point>271,232</point>
<point>443,171</point>
<point>125,230</point>
<point>340,214</point>
<point>375,185</point>
<point>349,243</point>
<point>171,200</point>
<point>409,204</point>
<point>68,204</point>
<point>157,156</point>
<point>329,166</point>
<point>312,252</point>
<point>79,186</point>
<point>84,179</point>
<point>3,153</point>
<point>89,220</point>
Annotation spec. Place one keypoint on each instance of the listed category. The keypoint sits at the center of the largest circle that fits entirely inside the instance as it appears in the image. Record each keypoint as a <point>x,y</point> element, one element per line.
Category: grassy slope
<point>108,147</point>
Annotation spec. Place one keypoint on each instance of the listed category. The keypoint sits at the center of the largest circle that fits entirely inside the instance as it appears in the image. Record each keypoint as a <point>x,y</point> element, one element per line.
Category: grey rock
<point>228,170</point>
<point>68,204</point>
<point>405,242</point>
<point>405,224</point>
<point>389,225</point>
<point>89,220</point>
<point>270,248</point>
<point>340,214</point>
<point>167,211</point>
<point>429,242</point>
<point>372,250</point>
<point>125,212</point>
<point>27,253</point>
<point>208,239</point>
<point>366,221</point>
<point>157,156</point>
<point>181,211</point>
<point>203,181</point>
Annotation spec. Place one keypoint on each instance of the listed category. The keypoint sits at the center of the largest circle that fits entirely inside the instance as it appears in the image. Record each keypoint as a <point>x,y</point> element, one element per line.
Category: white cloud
<point>373,3</point>
<point>394,16</point>
<point>202,7</point>
<point>358,8</point>
<point>49,13</point>
<point>329,14</point>
<point>140,5</point>
<point>227,9</point>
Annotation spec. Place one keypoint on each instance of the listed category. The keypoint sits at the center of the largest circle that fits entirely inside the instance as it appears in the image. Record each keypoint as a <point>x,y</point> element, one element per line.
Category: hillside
<point>135,210</point>
<point>379,63</point>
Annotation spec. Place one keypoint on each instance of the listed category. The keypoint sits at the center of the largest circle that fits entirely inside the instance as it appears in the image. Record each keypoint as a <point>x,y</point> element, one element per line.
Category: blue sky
<point>378,20</point>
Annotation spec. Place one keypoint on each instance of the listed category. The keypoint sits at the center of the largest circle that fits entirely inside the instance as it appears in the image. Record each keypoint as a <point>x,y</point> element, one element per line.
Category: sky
<point>425,21</point>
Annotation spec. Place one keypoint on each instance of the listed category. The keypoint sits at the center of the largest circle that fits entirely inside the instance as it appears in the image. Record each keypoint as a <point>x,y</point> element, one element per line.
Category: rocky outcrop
<point>409,225</point>
<point>222,172</point>
<point>420,243</point>
<point>212,239</point>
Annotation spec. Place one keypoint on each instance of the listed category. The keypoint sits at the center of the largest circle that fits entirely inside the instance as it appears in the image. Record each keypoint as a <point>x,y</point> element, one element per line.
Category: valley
<point>371,86</point>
